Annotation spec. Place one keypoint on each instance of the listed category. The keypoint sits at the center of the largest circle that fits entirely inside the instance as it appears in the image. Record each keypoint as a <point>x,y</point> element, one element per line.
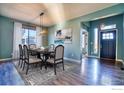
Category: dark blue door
<point>108,45</point>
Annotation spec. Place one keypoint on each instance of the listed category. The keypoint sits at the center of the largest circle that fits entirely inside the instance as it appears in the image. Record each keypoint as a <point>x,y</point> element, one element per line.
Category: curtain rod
<point>23,22</point>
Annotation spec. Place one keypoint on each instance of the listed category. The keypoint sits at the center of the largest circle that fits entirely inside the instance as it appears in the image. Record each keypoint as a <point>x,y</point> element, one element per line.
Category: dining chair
<point>32,46</point>
<point>21,56</point>
<point>29,60</point>
<point>52,48</point>
<point>58,58</point>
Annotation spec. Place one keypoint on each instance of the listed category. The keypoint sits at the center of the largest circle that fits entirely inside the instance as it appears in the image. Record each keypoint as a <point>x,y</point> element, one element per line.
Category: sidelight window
<point>95,40</point>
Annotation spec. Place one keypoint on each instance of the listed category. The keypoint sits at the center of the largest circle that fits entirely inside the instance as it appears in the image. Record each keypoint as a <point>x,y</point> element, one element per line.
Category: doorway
<point>108,44</point>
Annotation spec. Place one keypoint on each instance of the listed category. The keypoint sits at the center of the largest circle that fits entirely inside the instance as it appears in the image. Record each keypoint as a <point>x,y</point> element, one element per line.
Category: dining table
<point>43,54</point>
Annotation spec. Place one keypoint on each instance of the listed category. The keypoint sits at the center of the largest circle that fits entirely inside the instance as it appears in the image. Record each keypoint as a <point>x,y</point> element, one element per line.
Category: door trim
<point>116,40</point>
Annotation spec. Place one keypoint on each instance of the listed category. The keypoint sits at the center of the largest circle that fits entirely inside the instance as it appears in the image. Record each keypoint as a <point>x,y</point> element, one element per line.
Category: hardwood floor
<point>91,71</point>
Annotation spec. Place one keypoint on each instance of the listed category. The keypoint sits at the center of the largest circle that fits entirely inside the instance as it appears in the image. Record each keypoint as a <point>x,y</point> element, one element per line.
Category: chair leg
<point>19,62</point>
<point>27,69</point>
<point>41,66</point>
<point>45,65</point>
<point>23,66</point>
<point>63,65</point>
<point>46,62</point>
<point>54,69</point>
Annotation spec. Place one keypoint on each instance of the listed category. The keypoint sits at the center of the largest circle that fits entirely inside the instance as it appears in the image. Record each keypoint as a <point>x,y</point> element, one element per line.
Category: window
<point>32,37</point>
<point>103,27</point>
<point>83,40</point>
<point>95,40</point>
<point>28,36</point>
<point>107,36</point>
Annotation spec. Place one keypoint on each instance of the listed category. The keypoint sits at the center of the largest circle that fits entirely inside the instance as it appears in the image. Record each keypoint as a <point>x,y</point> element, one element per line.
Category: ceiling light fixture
<point>41,24</point>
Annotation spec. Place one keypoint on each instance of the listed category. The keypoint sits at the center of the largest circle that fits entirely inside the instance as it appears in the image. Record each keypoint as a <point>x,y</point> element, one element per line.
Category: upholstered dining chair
<point>32,46</point>
<point>58,58</point>
<point>52,48</point>
<point>29,60</point>
<point>21,57</point>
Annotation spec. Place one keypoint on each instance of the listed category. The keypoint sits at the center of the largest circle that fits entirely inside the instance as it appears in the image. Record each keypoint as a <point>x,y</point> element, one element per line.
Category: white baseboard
<point>94,56</point>
<point>120,60</point>
<point>99,57</point>
<point>6,59</point>
<point>70,59</point>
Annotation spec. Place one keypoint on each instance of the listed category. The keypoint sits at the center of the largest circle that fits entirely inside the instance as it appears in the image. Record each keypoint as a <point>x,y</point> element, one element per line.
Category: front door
<point>108,45</point>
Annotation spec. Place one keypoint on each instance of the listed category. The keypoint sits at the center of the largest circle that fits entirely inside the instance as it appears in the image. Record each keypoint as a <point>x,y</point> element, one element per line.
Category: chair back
<point>51,47</point>
<point>26,53</point>
<point>59,52</point>
<point>20,51</point>
<point>32,46</point>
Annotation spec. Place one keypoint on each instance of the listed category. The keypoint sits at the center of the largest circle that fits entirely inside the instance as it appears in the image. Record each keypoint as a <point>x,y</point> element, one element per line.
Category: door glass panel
<point>107,36</point>
<point>103,37</point>
<point>111,36</point>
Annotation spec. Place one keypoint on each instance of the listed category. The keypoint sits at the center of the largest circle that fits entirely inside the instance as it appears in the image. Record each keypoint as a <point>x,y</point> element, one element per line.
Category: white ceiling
<point>54,13</point>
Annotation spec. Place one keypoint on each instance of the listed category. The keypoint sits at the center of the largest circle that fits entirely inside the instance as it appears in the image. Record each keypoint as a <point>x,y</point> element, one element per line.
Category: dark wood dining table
<point>43,54</point>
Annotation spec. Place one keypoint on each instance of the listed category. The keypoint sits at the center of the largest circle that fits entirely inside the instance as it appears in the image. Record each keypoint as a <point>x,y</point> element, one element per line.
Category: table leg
<point>45,61</point>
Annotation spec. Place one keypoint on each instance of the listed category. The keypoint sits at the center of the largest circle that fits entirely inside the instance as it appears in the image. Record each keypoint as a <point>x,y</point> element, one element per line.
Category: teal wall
<point>118,20</point>
<point>71,50</point>
<point>75,24</point>
<point>6,37</point>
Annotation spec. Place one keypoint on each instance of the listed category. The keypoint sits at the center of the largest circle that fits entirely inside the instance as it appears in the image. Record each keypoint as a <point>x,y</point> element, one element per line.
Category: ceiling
<point>53,12</point>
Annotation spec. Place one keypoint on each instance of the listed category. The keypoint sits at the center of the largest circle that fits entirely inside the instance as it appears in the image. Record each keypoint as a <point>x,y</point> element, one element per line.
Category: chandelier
<point>41,24</point>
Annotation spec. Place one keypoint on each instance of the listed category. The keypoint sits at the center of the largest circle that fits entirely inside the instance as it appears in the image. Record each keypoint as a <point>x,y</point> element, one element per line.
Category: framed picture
<point>65,35</point>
